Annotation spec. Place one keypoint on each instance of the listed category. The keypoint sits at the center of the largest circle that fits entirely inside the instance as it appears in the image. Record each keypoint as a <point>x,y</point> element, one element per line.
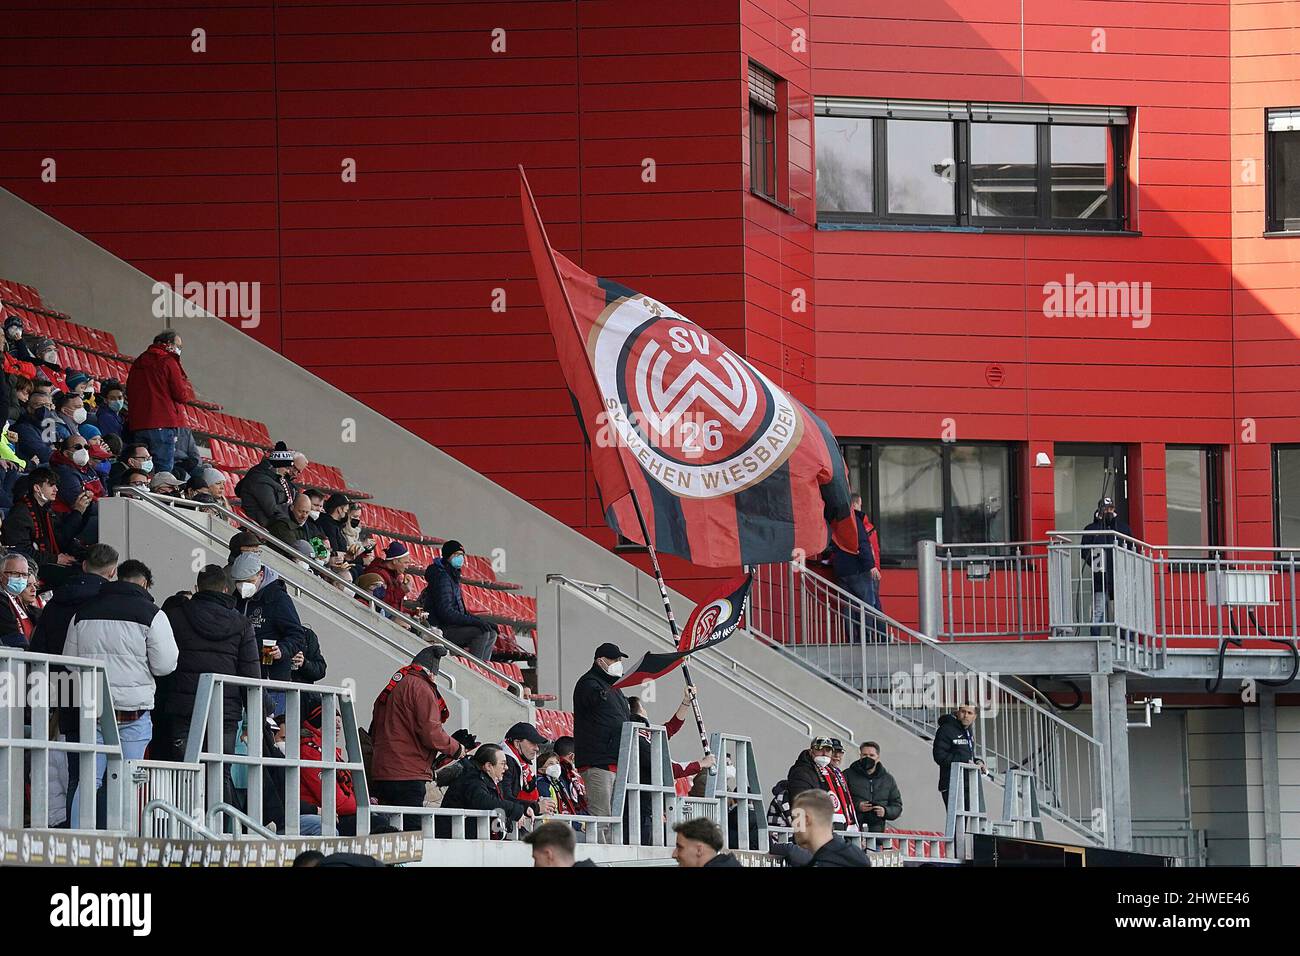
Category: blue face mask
<point>15,584</point>
<point>379,593</point>
<point>457,561</point>
<point>116,404</point>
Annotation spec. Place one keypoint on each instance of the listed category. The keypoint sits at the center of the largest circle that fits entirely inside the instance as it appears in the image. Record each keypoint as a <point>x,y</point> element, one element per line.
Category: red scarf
<point>527,778</point>
<point>43,539</point>
<point>410,670</point>
<point>838,788</point>
<point>20,615</point>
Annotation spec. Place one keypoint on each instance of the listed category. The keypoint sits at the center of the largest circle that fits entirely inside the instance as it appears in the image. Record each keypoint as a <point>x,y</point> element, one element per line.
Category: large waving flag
<point>727,467</point>
<point>712,622</point>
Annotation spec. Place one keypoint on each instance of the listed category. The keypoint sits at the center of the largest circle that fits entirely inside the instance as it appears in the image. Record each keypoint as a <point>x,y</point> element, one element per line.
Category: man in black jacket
<point>874,790</point>
<point>1102,560</point>
<point>479,788</point>
<point>308,665</point>
<point>815,842</point>
<point>265,490</point>
<point>331,521</point>
<point>265,600</point>
<point>446,605</point>
<point>212,638</point>
<point>599,712</point>
<point>954,743</point>
<point>699,844</point>
<point>806,772</point>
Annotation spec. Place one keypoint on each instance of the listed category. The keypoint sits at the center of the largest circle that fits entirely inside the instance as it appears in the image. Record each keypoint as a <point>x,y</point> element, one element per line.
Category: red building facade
<point>357,161</point>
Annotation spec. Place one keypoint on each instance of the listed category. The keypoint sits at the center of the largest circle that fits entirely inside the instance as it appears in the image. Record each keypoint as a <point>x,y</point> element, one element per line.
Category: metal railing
<point>166,799</point>
<point>1186,845</point>
<point>32,689</point>
<point>205,746</point>
<point>365,602</point>
<point>747,799</point>
<point>914,681</point>
<point>775,700</point>
<point>993,591</point>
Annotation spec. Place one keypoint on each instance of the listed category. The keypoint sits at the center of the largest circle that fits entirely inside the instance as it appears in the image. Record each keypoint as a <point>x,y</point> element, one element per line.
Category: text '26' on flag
<point>729,469</point>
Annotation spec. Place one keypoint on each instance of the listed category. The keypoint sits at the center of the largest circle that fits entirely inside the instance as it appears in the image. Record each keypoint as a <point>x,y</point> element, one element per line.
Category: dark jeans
<point>401,793</point>
<point>162,446</point>
<point>866,589</point>
<point>478,640</point>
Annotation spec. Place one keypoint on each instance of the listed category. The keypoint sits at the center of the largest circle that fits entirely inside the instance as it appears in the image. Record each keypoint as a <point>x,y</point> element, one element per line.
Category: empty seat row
<point>502,604</point>
<point>64,332</point>
<point>554,724</point>
<point>215,424</point>
<point>392,520</point>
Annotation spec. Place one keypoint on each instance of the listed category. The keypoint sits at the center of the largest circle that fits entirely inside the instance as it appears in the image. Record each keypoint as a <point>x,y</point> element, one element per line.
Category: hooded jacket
<point>406,727</point>
<point>74,479</point>
<point>953,743</point>
<point>443,599</point>
<point>262,493</point>
<point>51,631</point>
<point>32,434</point>
<point>879,789</point>
<point>157,388</point>
<point>211,638</point>
<point>122,627</point>
<point>309,781</point>
<point>599,712</point>
<point>275,618</point>
<point>313,661</point>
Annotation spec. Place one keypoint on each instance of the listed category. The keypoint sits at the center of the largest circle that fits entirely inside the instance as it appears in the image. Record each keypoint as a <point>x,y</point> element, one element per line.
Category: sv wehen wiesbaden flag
<point>728,468</point>
<point>712,622</point>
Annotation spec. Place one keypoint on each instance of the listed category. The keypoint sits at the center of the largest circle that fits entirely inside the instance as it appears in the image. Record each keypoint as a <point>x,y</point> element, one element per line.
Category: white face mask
<point>553,771</point>
<point>246,589</point>
<point>822,761</point>
<point>281,746</point>
<point>314,514</point>
<point>615,669</point>
<point>731,774</point>
<point>80,457</point>
<point>52,357</point>
<point>79,416</point>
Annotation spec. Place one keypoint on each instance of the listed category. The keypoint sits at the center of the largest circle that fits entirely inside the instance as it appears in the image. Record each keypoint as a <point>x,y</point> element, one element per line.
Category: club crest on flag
<point>702,421</point>
<point>712,615</point>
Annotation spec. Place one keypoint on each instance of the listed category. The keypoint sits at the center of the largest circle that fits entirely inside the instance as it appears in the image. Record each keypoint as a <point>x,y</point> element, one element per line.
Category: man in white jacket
<point>123,628</point>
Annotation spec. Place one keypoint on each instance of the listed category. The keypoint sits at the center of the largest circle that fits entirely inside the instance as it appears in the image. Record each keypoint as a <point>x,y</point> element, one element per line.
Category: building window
<point>913,491</point>
<point>1193,499</point>
<point>1286,495</point>
<point>970,164</point>
<point>763,127</point>
<point>1283,152</point>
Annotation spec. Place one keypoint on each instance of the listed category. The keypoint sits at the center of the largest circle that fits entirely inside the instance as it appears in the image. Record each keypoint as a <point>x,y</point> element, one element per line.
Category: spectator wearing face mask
<point>311,747</point>
<point>312,525</point>
<point>265,490</point>
<point>46,361</point>
<point>391,568</point>
<point>812,771</point>
<point>407,729</point>
<point>445,603</point>
<point>70,414</point>
<point>262,596</point>
<point>351,527</point>
<point>158,390</point>
<point>134,478</point>
<point>14,343</point>
<point>37,430</point>
<point>76,473</point>
<point>164,483</point>
<point>20,393</point>
<point>599,712</point>
<point>16,623</point>
<point>33,529</point>
<point>551,785</point>
<point>330,524</point>
<point>134,457</point>
<point>101,455</point>
<point>83,386</point>
<point>874,790</point>
<point>110,413</point>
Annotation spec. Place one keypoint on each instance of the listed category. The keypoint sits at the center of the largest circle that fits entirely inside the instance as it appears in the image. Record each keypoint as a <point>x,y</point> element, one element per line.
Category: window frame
<point>762,151</point>
<point>1277,497</point>
<point>868,476</point>
<point>1213,503</point>
<point>1273,223</point>
<point>963,218</point>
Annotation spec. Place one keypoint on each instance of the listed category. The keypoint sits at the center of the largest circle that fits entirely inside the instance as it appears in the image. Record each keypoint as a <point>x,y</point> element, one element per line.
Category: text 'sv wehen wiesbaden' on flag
<point>712,622</point>
<point>728,468</point>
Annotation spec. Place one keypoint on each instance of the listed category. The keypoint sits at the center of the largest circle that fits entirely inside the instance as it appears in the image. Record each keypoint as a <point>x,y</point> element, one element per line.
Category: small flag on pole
<point>712,622</point>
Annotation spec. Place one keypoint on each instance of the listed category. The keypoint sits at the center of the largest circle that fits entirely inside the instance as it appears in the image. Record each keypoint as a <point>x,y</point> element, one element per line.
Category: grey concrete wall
<point>1288,759</point>
<point>1220,790</point>
<point>358,644</point>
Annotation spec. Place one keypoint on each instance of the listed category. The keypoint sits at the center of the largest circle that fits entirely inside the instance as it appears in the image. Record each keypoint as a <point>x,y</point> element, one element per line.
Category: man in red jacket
<point>157,390</point>
<point>408,735</point>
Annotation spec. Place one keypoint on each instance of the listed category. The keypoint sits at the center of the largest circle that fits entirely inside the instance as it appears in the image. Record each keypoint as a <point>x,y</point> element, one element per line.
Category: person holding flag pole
<point>695,451</point>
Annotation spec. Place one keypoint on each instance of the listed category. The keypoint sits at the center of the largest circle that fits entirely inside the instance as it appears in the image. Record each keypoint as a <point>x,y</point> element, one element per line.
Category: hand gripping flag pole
<point>672,626</point>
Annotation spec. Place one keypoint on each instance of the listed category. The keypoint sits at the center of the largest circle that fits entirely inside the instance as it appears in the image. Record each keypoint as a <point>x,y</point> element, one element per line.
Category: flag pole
<point>672,625</point>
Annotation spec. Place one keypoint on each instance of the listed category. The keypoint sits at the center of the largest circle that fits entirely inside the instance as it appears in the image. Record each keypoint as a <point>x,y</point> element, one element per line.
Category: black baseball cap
<point>522,731</point>
<point>608,650</point>
<point>836,745</point>
<point>1105,503</point>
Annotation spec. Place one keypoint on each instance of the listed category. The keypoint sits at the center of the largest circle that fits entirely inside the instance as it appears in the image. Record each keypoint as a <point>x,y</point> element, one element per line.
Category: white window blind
<point>762,87</point>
